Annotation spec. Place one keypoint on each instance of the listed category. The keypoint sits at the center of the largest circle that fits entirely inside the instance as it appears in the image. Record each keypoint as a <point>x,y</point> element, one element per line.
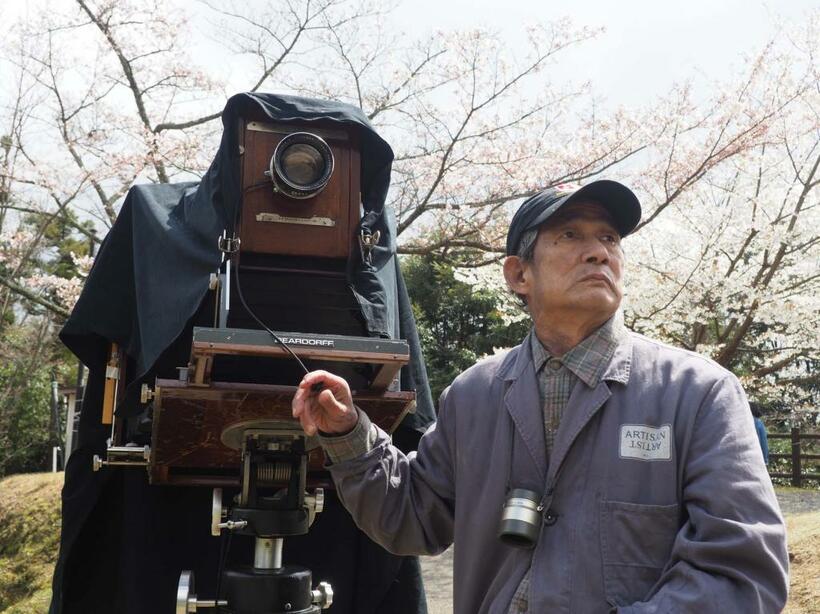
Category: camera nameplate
<point>305,221</point>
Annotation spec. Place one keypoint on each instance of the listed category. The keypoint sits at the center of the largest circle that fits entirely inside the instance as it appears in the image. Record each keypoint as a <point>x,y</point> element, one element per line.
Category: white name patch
<point>646,442</point>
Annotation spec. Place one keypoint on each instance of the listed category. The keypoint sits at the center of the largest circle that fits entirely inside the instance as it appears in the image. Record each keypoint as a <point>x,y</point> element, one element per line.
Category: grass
<point>29,541</point>
<point>30,528</point>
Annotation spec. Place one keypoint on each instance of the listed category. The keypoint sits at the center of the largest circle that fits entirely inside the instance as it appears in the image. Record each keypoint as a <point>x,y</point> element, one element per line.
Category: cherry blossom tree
<point>108,93</point>
<point>731,268</point>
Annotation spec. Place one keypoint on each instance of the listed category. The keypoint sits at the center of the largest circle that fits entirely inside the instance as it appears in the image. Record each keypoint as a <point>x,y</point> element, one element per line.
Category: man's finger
<point>298,403</point>
<point>328,402</point>
<point>307,422</point>
<point>315,381</point>
<point>315,377</point>
<point>302,411</point>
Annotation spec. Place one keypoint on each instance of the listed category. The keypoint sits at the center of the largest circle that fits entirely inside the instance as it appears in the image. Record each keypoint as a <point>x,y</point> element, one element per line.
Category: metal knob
<point>186,598</point>
<point>319,500</point>
<point>129,455</point>
<point>323,595</point>
<point>231,524</point>
<point>315,503</point>
<point>217,513</point>
<point>146,393</point>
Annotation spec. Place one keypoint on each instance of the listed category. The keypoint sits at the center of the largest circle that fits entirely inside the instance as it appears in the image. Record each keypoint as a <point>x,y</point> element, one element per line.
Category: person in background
<point>761,431</point>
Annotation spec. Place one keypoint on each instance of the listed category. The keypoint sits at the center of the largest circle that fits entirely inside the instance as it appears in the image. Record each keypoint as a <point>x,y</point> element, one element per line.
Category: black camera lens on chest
<point>521,519</point>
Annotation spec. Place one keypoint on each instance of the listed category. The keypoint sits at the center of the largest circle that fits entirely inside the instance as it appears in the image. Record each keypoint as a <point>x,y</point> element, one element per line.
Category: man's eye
<point>611,239</point>
<point>568,234</point>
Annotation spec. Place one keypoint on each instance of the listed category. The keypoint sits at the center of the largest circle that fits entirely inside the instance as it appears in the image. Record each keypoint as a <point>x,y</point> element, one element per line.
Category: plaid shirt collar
<point>589,359</point>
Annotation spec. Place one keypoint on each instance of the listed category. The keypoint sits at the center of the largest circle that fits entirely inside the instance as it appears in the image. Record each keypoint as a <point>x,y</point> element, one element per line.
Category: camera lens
<point>301,165</point>
<point>520,520</point>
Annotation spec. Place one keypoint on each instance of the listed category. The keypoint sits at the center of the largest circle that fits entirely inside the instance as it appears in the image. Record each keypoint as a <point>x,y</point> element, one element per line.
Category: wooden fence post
<point>797,478</point>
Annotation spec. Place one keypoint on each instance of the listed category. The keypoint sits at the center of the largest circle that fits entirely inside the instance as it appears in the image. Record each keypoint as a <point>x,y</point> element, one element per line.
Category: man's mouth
<point>598,277</point>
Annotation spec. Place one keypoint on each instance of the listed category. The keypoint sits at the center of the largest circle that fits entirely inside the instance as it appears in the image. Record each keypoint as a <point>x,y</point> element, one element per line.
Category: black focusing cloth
<point>145,292</point>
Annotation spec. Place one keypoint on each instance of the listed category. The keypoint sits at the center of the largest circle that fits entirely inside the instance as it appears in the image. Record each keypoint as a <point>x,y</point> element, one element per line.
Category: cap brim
<point>616,198</point>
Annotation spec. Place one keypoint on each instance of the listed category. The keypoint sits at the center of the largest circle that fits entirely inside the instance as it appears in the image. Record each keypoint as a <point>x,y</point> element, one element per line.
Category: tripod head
<point>273,504</point>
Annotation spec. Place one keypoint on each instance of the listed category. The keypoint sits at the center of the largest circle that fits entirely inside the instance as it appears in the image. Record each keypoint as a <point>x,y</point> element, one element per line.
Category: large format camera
<point>279,304</point>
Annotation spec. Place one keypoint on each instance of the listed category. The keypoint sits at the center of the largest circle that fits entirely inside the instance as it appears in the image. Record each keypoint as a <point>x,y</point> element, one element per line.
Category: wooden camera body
<point>291,257</point>
<point>272,222</point>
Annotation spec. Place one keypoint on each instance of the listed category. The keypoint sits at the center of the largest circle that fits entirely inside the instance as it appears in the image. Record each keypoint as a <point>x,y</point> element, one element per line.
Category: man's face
<point>576,267</point>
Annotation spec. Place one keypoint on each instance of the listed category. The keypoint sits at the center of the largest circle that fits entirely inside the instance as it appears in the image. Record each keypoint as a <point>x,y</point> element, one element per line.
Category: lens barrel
<point>520,519</point>
<point>301,165</point>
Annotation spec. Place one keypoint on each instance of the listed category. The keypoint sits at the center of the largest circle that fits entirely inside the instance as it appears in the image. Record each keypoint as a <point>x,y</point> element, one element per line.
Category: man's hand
<point>330,409</point>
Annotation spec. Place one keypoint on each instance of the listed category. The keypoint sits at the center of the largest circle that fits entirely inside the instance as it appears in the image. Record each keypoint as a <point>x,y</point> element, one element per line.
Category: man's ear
<point>514,273</point>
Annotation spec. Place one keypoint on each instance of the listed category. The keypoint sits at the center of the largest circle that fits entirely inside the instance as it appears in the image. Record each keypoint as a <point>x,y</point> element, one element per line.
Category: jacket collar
<point>588,360</point>
<point>520,357</point>
<point>516,360</point>
<point>620,366</point>
<point>523,404</point>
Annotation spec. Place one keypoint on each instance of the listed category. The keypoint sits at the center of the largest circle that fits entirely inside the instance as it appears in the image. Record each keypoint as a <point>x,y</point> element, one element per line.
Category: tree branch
<point>34,298</point>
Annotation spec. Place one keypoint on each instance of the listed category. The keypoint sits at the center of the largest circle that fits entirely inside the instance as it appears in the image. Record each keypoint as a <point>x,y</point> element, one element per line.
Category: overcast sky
<point>647,45</point>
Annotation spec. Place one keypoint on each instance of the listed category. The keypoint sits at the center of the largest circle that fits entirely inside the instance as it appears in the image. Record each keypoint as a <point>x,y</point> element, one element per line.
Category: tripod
<point>272,505</point>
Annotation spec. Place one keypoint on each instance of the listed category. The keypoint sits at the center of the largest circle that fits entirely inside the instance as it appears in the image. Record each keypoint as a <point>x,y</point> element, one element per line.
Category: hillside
<point>29,540</point>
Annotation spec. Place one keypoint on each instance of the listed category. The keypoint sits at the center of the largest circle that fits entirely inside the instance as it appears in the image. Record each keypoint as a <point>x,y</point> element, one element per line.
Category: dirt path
<point>438,570</point>
<point>798,501</point>
<point>438,582</point>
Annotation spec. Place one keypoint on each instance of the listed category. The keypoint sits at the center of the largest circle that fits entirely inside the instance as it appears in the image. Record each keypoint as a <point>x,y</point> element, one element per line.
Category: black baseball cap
<point>615,197</point>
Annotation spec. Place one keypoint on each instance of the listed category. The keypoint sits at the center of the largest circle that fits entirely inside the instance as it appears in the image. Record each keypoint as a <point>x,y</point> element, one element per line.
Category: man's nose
<point>595,251</point>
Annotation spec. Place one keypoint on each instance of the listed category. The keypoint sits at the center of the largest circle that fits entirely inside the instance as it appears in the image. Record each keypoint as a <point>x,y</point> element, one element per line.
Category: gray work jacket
<point>656,498</point>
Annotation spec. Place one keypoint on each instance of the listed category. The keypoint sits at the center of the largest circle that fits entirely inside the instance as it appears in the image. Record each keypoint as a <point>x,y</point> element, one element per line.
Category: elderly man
<point>642,459</point>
